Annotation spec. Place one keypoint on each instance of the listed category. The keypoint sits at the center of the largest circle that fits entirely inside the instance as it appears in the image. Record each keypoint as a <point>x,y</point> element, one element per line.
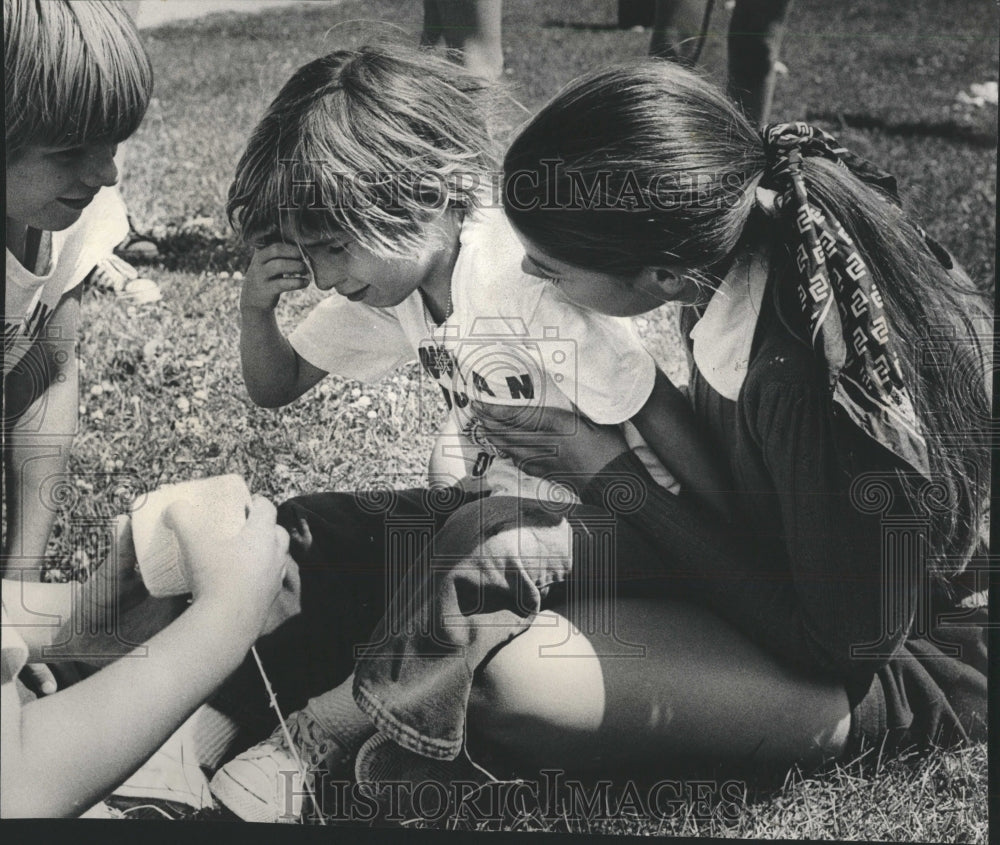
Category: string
<point>288,736</point>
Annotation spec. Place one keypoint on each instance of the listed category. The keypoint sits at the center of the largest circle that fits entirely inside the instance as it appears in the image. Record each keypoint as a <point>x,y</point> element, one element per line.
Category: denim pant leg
<point>486,577</point>
<point>346,546</point>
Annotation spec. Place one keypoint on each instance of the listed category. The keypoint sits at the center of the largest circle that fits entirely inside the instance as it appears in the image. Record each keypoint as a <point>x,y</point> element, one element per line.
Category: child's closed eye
<point>530,266</point>
<point>68,155</point>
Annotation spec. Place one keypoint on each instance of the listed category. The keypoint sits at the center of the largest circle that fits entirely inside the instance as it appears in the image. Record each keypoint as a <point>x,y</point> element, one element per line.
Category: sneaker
<point>264,783</point>
<point>115,275</point>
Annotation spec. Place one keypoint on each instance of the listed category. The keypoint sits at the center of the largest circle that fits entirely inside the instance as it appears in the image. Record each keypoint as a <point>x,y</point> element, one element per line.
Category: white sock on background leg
<point>341,719</point>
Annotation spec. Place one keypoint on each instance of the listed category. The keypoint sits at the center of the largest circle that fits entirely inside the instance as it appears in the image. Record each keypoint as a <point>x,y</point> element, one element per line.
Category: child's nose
<point>99,169</point>
<point>326,281</point>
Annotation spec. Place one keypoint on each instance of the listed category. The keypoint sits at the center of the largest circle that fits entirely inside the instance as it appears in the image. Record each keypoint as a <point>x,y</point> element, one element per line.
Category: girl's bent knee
<point>543,676</point>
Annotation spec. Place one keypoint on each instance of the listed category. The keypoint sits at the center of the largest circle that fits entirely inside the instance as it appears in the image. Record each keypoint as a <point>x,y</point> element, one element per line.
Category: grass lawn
<point>162,397</point>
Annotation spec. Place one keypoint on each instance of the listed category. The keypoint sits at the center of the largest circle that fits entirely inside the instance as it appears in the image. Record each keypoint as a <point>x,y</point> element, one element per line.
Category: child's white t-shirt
<point>511,339</point>
<point>30,300</point>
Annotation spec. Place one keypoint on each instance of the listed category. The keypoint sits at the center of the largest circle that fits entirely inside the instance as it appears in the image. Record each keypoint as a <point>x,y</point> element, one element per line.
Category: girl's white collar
<point>723,336</point>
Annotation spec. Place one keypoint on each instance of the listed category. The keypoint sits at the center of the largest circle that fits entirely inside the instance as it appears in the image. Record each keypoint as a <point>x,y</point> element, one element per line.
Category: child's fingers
<point>284,267</point>
<point>278,250</point>
<point>186,523</point>
<point>552,420</point>
<point>291,579</point>
<point>262,515</point>
<point>280,537</point>
<point>179,515</point>
<point>39,678</point>
<point>495,416</point>
<point>284,284</point>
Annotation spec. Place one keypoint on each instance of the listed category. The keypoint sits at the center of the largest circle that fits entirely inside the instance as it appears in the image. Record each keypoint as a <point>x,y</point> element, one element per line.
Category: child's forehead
<point>289,231</point>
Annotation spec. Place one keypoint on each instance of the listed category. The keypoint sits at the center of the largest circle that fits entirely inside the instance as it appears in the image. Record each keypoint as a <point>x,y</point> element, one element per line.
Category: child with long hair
<point>837,370</point>
<point>369,176</point>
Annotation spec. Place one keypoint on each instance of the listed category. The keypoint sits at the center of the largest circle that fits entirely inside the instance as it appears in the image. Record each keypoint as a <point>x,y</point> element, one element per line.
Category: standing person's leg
<point>700,691</point>
<point>472,27</point>
<point>755,33</point>
<point>677,30</point>
<point>430,34</point>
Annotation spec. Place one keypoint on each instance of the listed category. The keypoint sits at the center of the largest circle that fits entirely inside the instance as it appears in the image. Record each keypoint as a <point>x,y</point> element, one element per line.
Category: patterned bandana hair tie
<point>840,301</point>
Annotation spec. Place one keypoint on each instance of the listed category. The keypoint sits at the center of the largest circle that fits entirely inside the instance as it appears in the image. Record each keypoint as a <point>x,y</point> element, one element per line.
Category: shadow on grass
<point>556,23</point>
<point>948,130</point>
<point>195,252</point>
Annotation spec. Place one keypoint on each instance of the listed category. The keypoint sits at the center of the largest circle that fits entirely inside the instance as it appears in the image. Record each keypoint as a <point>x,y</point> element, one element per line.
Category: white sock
<point>213,732</point>
<point>341,719</point>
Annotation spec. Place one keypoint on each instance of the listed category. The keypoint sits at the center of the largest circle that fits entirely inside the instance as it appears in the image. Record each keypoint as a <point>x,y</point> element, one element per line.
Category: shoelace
<point>288,737</point>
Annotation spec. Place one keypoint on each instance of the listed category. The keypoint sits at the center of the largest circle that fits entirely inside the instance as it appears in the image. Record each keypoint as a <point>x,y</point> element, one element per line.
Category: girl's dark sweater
<point>804,570</point>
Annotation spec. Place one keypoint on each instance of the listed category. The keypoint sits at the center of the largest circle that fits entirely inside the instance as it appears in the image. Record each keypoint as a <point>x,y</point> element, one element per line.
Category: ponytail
<point>648,165</point>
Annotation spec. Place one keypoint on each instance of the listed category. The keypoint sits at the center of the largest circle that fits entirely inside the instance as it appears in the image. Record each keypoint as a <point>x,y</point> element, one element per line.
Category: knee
<point>508,684</point>
<point>547,675</point>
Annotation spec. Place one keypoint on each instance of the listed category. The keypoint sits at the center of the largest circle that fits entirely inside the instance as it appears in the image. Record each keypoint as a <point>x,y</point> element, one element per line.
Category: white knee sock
<point>213,733</point>
<point>337,714</point>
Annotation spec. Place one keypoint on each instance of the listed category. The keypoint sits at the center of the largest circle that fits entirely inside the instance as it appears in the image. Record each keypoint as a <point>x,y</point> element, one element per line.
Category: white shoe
<point>264,783</point>
<point>115,275</point>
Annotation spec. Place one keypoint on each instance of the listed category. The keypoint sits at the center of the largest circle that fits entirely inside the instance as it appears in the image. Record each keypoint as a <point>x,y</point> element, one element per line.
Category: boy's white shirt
<point>29,300</point>
<point>511,339</point>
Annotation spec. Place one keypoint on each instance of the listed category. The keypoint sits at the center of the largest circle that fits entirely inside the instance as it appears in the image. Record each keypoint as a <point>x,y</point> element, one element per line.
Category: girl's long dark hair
<point>648,165</point>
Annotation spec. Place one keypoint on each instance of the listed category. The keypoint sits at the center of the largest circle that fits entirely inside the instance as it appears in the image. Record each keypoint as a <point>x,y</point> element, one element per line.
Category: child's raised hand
<point>274,270</point>
<point>245,572</point>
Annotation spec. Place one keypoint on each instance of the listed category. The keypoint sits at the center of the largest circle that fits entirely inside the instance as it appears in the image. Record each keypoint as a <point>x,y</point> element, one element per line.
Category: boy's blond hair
<point>369,143</point>
<point>74,73</point>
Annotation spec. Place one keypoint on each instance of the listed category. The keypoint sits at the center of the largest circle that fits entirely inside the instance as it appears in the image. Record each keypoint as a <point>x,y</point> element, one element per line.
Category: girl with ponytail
<point>825,223</point>
<point>836,363</point>
<point>836,370</point>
